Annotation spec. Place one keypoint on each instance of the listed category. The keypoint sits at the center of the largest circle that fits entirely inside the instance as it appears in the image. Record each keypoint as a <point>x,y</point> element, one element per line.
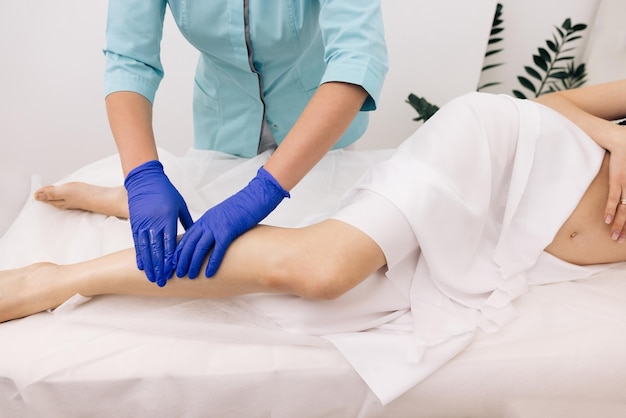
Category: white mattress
<point>127,356</point>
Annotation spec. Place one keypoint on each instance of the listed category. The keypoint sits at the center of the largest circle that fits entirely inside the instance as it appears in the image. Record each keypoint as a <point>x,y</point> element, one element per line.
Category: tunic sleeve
<point>133,37</point>
<point>354,43</point>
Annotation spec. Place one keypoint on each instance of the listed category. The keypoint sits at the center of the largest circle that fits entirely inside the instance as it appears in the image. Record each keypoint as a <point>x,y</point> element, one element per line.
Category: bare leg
<point>111,201</point>
<point>322,261</point>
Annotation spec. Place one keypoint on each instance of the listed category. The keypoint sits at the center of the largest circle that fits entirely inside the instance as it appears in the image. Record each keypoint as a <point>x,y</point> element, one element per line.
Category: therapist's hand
<point>221,224</point>
<point>155,206</point>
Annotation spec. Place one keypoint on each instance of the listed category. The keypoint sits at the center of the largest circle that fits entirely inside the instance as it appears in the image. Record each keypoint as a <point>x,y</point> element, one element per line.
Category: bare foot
<point>29,290</point>
<point>110,201</point>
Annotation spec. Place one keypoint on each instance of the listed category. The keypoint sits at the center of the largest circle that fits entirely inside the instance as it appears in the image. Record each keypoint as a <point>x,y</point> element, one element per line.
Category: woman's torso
<point>585,238</point>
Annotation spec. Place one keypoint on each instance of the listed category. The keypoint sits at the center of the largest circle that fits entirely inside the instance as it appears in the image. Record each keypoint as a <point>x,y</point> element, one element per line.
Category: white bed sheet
<point>123,356</point>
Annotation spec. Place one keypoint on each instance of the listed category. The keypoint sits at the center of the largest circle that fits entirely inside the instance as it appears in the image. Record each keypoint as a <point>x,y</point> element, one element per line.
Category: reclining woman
<point>456,224</point>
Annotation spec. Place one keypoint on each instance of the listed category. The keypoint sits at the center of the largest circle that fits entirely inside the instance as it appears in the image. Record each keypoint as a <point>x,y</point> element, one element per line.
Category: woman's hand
<point>615,210</point>
<point>593,108</point>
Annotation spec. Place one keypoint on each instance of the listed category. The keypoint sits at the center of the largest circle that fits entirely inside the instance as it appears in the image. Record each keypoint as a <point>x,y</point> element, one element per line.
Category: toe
<point>42,194</point>
<point>47,194</point>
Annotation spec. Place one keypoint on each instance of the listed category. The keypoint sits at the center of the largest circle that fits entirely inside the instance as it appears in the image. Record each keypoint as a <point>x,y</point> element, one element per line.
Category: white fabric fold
<point>484,185</point>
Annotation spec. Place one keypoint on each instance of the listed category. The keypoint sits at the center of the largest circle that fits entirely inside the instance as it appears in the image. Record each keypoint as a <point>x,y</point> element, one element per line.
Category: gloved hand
<point>155,206</point>
<point>221,224</point>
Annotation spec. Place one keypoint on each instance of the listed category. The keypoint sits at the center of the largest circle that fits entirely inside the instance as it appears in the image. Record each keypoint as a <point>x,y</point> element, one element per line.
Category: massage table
<point>563,355</point>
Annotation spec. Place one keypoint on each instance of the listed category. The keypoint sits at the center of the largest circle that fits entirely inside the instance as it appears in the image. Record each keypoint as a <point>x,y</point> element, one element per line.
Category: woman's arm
<point>590,107</point>
<point>593,109</point>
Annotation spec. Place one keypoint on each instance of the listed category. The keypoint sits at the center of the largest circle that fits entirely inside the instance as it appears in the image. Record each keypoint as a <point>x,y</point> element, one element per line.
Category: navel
<point>573,235</point>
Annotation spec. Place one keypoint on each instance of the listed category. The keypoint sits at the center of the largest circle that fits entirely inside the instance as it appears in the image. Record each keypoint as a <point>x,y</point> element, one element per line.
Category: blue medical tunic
<point>260,60</point>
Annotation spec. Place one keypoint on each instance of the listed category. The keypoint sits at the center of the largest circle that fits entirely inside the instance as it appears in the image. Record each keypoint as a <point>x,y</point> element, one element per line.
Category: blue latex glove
<point>221,224</point>
<point>155,206</point>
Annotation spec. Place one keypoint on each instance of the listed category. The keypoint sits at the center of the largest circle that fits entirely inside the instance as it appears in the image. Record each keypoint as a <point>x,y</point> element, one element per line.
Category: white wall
<point>436,50</point>
<point>606,50</point>
<point>52,115</point>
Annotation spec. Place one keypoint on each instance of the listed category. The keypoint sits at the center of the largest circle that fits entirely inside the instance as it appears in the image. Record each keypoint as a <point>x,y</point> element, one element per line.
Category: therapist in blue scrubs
<point>293,76</point>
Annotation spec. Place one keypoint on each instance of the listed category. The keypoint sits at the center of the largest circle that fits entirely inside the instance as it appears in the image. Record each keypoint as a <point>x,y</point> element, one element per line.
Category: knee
<point>311,277</point>
<point>323,261</point>
<point>325,282</point>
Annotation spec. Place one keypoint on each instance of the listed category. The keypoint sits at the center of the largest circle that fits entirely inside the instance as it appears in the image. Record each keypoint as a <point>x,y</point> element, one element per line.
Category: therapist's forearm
<point>322,123</point>
<point>130,119</point>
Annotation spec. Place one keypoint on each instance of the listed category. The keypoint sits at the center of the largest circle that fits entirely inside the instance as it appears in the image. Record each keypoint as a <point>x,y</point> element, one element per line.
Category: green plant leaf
<point>560,75</point>
<point>490,66</point>
<point>561,33</point>
<point>492,52</point>
<point>553,47</point>
<point>554,65</point>
<point>567,25</point>
<point>540,62</point>
<point>532,72</point>
<point>580,70</point>
<point>423,107</point>
<point>519,94</point>
<point>494,38</point>
<point>545,55</point>
<point>527,83</point>
<point>486,85</point>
